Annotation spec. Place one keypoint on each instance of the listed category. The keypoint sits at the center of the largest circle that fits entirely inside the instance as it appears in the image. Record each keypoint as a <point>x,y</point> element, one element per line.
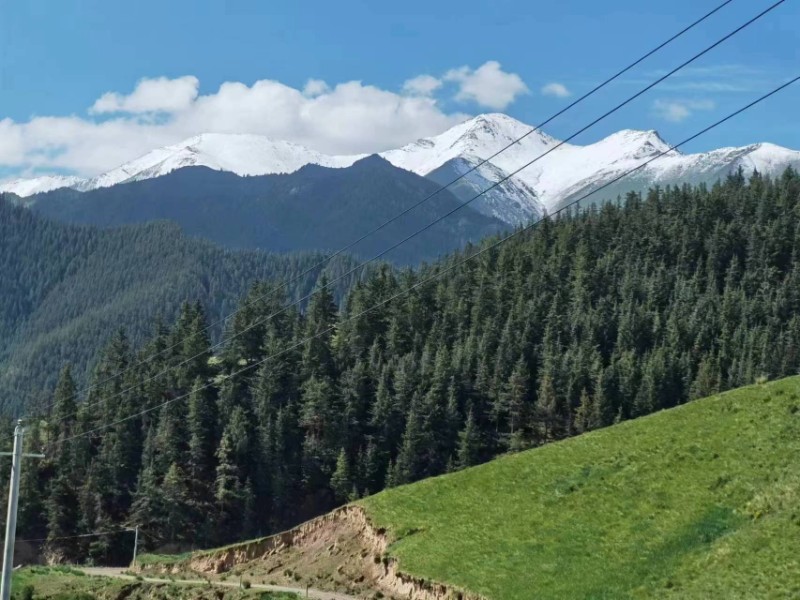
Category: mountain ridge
<point>559,172</point>
<point>315,208</point>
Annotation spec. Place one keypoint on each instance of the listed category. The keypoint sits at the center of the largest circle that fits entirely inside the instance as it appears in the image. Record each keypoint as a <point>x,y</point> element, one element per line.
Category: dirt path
<point>312,594</point>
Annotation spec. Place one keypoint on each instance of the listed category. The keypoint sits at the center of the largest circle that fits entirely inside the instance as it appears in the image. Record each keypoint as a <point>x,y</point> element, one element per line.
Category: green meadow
<point>700,501</point>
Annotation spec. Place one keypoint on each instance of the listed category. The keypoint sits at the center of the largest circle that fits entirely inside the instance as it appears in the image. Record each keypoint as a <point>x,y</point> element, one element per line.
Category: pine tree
<point>469,446</point>
<point>515,400</point>
<point>320,320</point>
<point>202,424</point>
<point>177,507</point>
<point>320,416</point>
<point>191,341</point>
<point>551,410</point>
<point>410,465</point>
<point>342,478</point>
<point>148,509</point>
<point>229,495</point>
<point>706,382</point>
<point>586,417</point>
<point>63,517</point>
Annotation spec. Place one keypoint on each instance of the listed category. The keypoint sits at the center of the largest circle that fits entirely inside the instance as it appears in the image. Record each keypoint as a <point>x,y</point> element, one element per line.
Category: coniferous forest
<point>65,288</point>
<point>589,319</point>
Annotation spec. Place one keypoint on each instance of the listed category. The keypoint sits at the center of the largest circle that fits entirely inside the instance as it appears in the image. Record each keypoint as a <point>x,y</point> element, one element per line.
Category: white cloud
<point>558,90</point>
<point>422,85</point>
<point>488,85</point>
<point>151,95</point>
<point>348,118</point>
<point>680,110</point>
<point>315,87</point>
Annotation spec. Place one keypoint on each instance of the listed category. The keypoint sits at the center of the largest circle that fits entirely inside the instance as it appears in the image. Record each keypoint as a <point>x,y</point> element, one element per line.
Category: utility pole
<point>13,500</point>
<point>135,545</point>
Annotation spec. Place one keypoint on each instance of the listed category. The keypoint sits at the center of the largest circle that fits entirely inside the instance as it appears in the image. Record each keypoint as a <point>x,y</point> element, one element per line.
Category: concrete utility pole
<point>135,545</point>
<point>13,500</point>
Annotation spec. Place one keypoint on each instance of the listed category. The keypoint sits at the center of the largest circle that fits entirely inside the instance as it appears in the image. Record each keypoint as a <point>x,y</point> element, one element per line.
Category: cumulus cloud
<point>349,117</point>
<point>422,85</point>
<point>151,95</point>
<point>557,90</point>
<point>488,85</point>
<point>680,110</point>
<point>315,87</point>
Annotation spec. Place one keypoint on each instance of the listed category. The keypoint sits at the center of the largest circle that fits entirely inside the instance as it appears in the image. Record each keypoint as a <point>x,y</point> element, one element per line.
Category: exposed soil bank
<point>340,551</point>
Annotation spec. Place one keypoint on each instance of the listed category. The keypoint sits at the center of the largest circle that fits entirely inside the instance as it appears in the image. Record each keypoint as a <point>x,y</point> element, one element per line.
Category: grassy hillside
<point>699,501</point>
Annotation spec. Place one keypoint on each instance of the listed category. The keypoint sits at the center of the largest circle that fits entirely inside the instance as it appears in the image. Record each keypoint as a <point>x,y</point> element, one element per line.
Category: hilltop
<point>697,501</point>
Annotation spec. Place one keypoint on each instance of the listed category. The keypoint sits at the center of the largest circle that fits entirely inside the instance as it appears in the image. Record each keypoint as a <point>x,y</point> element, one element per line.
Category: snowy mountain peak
<point>475,139</point>
<point>497,126</point>
<point>635,143</point>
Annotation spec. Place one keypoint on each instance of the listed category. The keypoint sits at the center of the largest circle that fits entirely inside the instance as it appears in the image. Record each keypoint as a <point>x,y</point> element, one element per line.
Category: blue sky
<point>59,59</point>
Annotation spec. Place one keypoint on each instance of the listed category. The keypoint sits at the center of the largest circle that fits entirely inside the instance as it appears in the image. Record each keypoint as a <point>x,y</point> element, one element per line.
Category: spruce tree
<point>229,494</point>
<point>469,445</point>
<point>342,478</point>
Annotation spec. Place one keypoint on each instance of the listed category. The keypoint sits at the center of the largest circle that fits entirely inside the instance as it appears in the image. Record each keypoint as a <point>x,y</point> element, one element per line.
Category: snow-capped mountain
<point>463,147</point>
<point>560,172</point>
<point>38,185</point>
<point>242,154</point>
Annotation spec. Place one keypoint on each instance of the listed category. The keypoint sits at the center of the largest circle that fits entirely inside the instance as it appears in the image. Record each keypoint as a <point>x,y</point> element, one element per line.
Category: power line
<point>447,269</point>
<point>349,246</point>
<point>361,265</point>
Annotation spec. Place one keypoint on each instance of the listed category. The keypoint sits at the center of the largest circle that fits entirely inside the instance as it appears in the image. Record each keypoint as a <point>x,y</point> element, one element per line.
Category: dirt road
<point>312,594</point>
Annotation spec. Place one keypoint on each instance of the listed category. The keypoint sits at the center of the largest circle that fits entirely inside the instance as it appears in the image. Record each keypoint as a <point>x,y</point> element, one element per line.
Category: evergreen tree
<point>342,478</point>
<point>229,494</point>
<point>469,446</point>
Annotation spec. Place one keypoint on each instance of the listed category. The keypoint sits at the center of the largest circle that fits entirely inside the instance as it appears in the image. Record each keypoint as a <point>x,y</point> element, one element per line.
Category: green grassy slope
<point>702,501</point>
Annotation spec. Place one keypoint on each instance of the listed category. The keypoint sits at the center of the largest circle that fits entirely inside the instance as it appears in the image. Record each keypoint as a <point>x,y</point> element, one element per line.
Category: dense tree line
<point>591,319</point>
<point>64,289</point>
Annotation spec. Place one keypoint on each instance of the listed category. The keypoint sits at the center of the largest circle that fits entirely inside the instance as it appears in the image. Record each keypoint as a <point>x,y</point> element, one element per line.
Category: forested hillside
<point>65,289</point>
<point>590,319</point>
<point>313,209</point>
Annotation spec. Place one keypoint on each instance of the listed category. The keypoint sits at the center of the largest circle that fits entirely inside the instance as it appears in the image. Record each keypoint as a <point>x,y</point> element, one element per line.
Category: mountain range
<point>313,208</point>
<point>248,191</point>
<point>565,171</point>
